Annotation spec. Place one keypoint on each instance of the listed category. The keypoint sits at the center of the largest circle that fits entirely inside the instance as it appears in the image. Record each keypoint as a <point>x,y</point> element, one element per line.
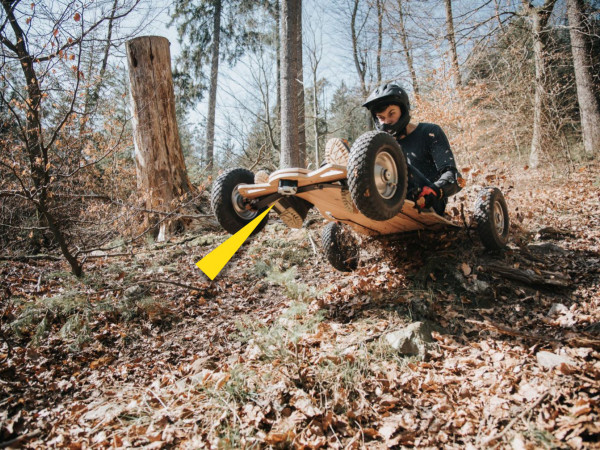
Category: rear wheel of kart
<point>228,204</point>
<point>491,217</point>
<point>341,247</point>
<point>377,175</point>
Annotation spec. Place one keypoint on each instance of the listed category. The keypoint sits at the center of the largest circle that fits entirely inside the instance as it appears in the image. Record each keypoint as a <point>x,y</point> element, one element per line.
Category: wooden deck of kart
<point>334,203</point>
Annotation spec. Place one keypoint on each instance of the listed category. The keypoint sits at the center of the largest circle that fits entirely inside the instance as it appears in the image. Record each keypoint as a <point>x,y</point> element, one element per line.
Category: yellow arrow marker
<point>214,262</point>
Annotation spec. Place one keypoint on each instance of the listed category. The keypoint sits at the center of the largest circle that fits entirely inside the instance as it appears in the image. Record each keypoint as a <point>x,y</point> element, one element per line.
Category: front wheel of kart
<point>341,247</point>
<point>228,204</point>
<point>491,217</point>
<point>377,175</point>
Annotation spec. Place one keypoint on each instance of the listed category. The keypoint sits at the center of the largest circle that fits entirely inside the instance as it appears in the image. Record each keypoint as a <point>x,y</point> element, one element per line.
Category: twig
<point>312,243</point>
<point>528,276</point>
<point>509,331</point>
<point>464,219</point>
<point>19,439</point>
<point>512,422</point>
<point>158,398</point>
<point>108,255</point>
<point>579,341</point>
<point>174,283</point>
<point>25,258</point>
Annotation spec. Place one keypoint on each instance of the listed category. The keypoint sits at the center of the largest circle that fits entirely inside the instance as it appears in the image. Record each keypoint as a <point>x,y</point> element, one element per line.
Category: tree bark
<point>539,17</point>
<point>160,166</point>
<point>379,39</point>
<point>212,94</point>
<point>407,50</point>
<point>290,136</point>
<point>278,50</point>
<point>300,87</point>
<point>452,41</point>
<point>588,102</point>
<point>316,114</point>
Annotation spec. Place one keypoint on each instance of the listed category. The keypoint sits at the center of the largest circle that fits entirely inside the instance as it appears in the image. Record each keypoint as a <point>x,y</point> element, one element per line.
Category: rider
<point>432,172</point>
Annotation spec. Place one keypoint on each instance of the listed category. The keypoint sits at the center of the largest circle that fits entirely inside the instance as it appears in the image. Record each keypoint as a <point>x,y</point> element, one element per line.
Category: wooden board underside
<point>330,204</point>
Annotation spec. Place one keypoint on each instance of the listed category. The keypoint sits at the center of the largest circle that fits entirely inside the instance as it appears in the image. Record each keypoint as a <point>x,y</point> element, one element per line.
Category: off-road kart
<point>368,196</point>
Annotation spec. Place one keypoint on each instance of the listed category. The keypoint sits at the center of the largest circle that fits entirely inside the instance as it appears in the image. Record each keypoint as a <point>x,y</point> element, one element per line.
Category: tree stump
<point>161,173</point>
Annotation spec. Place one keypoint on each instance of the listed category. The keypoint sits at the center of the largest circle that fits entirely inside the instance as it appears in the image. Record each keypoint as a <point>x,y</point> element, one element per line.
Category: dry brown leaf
<point>303,403</point>
<point>466,269</point>
<point>285,429</point>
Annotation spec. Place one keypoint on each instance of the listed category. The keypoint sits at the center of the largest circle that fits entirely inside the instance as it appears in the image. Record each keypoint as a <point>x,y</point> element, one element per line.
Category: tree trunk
<point>290,145</point>
<point>316,114</point>
<point>361,66</point>
<point>300,87</point>
<point>452,42</point>
<point>278,49</point>
<point>588,103</point>
<point>359,62</point>
<point>212,94</point>
<point>379,39</point>
<point>160,166</point>
<point>540,17</point>
<point>406,46</point>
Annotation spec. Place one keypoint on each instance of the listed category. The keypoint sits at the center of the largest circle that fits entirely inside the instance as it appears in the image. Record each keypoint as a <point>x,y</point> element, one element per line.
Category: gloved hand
<point>427,197</point>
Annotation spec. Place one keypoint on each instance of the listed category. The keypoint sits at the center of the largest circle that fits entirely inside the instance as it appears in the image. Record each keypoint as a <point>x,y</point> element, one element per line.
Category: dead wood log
<point>161,173</point>
<point>573,339</point>
<point>529,276</point>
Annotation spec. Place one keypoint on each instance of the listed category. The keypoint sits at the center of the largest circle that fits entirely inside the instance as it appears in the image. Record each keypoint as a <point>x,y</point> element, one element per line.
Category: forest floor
<point>282,350</point>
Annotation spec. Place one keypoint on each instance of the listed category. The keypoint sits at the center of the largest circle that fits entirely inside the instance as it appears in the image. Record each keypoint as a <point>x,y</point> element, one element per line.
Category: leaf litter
<point>284,351</point>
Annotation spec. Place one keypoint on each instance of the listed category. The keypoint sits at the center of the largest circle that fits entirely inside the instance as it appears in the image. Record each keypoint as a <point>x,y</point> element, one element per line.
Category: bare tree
<point>406,47</point>
<point>358,54</point>
<point>251,90</point>
<point>212,93</point>
<point>315,53</point>
<point>44,47</point>
<point>379,7</point>
<point>497,14</point>
<point>539,16</point>
<point>291,11</point>
<point>589,106</point>
<point>300,80</point>
<point>452,41</point>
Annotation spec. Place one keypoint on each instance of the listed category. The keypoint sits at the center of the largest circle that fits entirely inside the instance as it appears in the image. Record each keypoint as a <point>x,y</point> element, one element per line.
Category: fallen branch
<point>507,428</point>
<point>508,331</point>
<point>312,243</point>
<point>174,283</point>
<point>20,439</point>
<point>576,341</point>
<point>108,255</point>
<point>25,258</point>
<point>529,276</point>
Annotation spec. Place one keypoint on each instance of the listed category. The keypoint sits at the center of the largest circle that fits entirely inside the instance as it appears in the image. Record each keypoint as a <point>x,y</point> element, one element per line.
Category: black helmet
<point>383,96</point>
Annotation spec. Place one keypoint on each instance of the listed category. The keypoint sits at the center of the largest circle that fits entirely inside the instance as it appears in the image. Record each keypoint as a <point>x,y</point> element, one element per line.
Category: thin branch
<point>508,427</point>
<point>84,34</point>
<point>20,439</point>
<point>174,283</point>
